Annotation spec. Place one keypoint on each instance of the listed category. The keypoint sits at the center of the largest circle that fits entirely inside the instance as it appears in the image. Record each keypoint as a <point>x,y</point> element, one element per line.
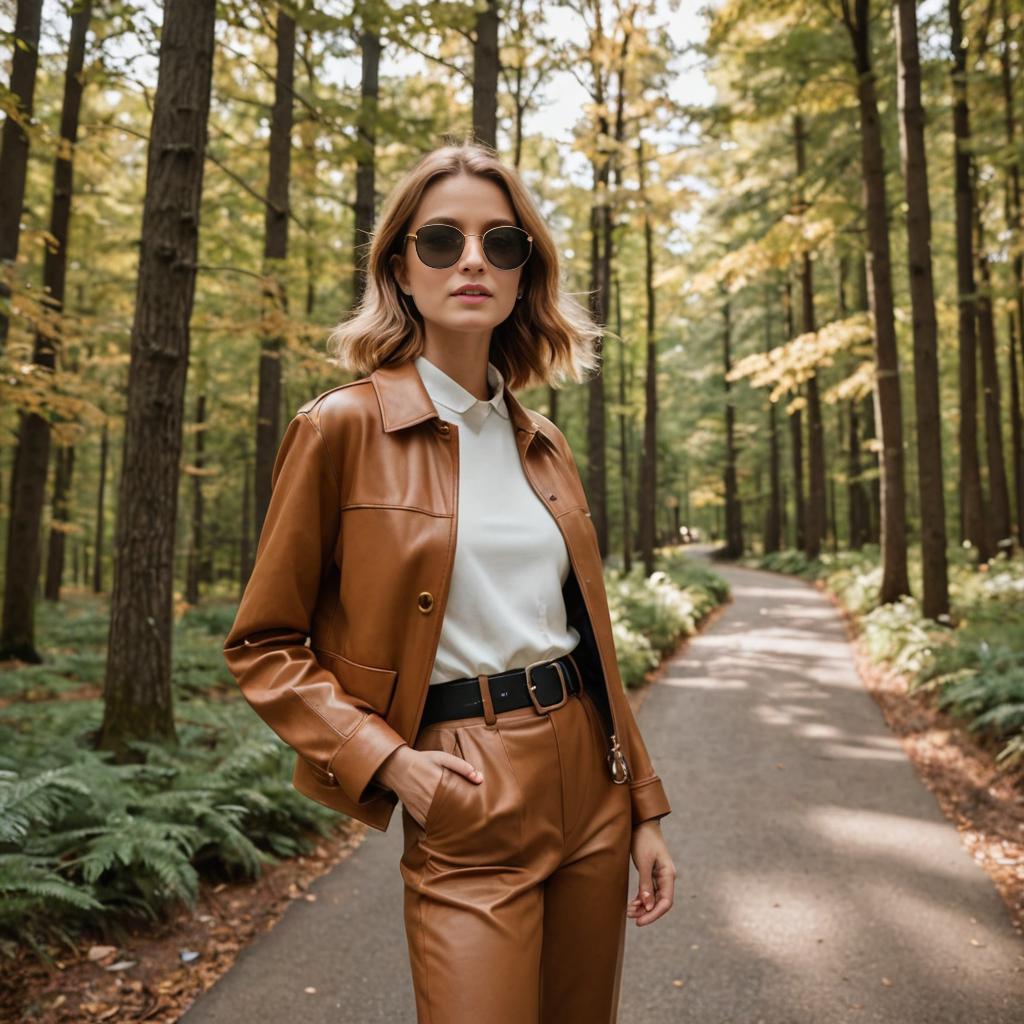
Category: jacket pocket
<point>375,686</point>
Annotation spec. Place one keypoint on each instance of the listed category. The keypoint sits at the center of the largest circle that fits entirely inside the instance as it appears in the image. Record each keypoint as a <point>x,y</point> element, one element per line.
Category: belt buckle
<point>544,709</point>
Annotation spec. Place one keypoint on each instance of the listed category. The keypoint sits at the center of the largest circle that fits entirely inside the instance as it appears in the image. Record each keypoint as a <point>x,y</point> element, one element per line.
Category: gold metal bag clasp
<point>617,762</point>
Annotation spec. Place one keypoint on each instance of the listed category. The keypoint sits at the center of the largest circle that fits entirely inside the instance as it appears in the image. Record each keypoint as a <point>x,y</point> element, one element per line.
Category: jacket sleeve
<point>646,790</point>
<point>266,649</point>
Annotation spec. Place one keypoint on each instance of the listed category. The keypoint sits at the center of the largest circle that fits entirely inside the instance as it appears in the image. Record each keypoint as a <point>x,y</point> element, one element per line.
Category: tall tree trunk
<point>649,462</point>
<point>101,491</point>
<point>733,510</point>
<point>366,146</point>
<point>600,268</point>
<point>857,511</point>
<point>14,145</point>
<point>935,601</point>
<point>888,402</point>
<point>54,278</point>
<point>1015,318</point>
<point>999,493</point>
<point>796,439</point>
<point>866,416</point>
<point>972,517</point>
<point>138,702</point>
<point>773,518</point>
<point>625,475</point>
<point>275,252</point>
<point>32,454</point>
<point>1016,428</point>
<point>596,476</point>
<point>485,75</point>
<point>245,538</point>
<point>195,574</point>
<point>815,525</point>
<point>64,465</point>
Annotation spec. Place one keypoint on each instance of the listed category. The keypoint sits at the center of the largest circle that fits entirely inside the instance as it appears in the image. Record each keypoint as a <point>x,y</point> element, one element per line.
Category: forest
<point>798,222</point>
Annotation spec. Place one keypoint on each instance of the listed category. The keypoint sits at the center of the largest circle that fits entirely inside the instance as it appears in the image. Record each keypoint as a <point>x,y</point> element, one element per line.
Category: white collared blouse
<point>505,607</point>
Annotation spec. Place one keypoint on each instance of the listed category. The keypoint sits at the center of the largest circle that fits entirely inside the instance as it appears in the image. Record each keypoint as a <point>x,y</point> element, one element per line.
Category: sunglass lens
<point>507,248</point>
<point>439,245</point>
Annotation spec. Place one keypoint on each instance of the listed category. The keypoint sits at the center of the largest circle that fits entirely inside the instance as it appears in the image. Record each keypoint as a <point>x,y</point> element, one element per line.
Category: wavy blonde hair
<point>547,339</point>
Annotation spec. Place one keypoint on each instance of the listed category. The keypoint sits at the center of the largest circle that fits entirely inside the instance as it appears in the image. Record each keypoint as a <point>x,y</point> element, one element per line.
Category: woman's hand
<point>415,775</point>
<point>657,874</point>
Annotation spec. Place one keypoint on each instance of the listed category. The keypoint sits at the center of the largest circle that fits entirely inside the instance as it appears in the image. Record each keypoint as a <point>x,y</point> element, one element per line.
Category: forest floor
<point>819,880</point>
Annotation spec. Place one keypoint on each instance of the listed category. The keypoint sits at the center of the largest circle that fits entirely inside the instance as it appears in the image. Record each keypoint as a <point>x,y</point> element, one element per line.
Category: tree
<point>137,692</point>
<point>935,596</point>
<point>888,401</point>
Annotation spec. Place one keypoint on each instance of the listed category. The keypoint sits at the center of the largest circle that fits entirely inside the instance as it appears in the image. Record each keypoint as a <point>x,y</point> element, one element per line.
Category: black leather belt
<point>545,684</point>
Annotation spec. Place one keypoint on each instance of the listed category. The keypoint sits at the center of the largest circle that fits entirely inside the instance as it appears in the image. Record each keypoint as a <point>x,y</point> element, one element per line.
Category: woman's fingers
<point>463,767</point>
<point>653,898</point>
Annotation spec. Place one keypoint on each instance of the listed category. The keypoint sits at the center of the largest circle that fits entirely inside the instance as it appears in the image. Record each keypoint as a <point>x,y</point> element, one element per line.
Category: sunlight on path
<point>819,881</point>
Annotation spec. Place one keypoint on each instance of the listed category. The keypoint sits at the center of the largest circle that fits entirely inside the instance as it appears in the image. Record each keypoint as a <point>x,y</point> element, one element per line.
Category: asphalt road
<point>819,882</point>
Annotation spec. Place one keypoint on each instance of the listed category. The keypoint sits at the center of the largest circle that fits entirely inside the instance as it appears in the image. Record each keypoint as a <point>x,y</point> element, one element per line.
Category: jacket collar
<point>404,401</point>
<point>451,394</point>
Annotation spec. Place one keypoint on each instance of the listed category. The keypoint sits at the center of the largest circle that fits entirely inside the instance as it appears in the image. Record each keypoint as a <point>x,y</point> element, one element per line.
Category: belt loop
<point>485,695</point>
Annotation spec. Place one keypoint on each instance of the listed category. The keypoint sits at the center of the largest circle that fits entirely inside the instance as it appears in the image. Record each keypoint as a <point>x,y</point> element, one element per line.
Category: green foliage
<point>651,613</point>
<point>83,839</point>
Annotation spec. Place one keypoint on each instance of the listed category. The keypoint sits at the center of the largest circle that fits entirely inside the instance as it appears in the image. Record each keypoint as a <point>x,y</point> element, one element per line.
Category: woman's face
<point>473,204</point>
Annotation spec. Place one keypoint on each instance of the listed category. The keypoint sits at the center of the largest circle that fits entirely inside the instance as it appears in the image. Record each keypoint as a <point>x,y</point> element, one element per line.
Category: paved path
<point>819,881</point>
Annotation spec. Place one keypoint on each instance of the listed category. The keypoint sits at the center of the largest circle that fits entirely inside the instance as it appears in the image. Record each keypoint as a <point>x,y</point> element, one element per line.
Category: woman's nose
<point>473,252</point>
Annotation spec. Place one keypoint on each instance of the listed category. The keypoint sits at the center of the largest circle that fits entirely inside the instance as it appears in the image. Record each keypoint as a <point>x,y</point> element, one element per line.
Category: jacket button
<point>443,427</point>
<point>553,497</point>
<point>425,601</point>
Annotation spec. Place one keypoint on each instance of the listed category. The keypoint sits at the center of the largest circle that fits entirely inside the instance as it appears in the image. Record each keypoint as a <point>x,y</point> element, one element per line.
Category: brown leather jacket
<point>336,633</point>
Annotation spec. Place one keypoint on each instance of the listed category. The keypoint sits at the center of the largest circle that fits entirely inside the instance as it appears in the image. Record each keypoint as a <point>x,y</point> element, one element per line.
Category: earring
<point>519,295</point>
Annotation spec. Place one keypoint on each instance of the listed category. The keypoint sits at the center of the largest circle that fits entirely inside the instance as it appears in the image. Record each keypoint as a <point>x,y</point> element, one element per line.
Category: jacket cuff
<point>358,758</point>
<point>648,800</point>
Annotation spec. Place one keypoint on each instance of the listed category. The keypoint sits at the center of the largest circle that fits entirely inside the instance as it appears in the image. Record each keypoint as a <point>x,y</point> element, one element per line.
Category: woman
<point>431,537</point>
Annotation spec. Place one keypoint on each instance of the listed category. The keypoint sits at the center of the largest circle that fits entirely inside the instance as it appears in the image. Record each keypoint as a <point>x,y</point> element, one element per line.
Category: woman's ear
<point>398,269</point>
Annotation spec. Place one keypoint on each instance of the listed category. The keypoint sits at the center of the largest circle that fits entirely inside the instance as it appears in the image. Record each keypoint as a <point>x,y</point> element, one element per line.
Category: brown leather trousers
<point>516,888</point>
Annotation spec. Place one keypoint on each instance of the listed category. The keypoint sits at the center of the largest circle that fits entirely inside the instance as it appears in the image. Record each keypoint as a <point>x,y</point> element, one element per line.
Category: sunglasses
<point>440,245</point>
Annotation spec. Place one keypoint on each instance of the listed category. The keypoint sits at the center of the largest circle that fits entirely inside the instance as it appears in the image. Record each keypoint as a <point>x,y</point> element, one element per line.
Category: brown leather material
<point>485,697</point>
<point>337,630</point>
<point>515,888</point>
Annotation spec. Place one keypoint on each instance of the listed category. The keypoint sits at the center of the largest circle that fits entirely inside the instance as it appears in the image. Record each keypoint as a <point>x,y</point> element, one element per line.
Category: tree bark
<point>649,462</point>
<point>888,402</point>
<point>32,454</point>
<point>195,574</point>
<point>796,439</point>
<point>485,75</point>
<point>275,252</point>
<point>998,489</point>
<point>773,518</point>
<point>1015,318</point>
<point>138,701</point>
<point>972,516</point>
<point>935,589</point>
<point>733,510</point>
<point>14,144</point>
<point>816,514</point>
<point>366,148</point>
<point>101,492</point>
<point>64,466</point>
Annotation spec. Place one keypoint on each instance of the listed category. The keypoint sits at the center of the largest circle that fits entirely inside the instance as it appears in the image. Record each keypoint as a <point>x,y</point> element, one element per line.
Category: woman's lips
<point>471,300</point>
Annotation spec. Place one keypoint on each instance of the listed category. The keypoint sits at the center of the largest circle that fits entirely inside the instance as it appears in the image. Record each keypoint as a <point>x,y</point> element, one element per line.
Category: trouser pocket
<point>477,822</point>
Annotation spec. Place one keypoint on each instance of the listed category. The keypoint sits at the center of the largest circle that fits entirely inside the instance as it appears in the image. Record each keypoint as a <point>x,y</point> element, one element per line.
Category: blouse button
<point>425,601</point>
